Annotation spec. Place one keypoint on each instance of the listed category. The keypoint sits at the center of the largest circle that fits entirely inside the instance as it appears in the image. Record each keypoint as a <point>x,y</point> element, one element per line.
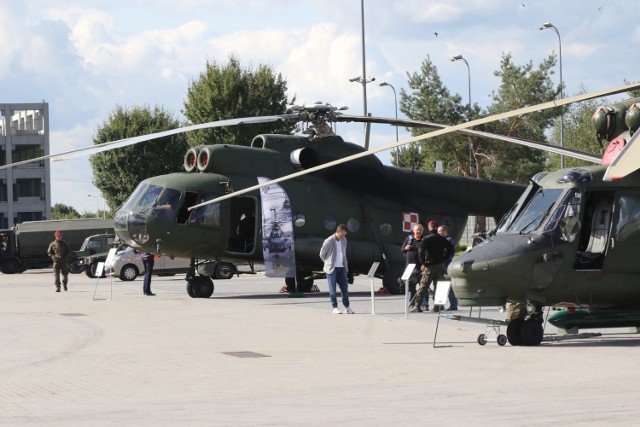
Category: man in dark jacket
<point>410,248</point>
<point>434,250</point>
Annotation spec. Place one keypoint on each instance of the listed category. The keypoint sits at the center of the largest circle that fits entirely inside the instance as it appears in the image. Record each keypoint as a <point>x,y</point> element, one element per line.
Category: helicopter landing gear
<point>525,326</point>
<point>391,278</point>
<point>200,287</point>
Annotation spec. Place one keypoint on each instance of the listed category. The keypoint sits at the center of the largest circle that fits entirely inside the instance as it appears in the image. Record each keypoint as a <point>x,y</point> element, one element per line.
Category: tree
<point>229,91</point>
<point>62,211</point>
<point>117,173</point>
<point>430,100</point>
<point>521,86</point>
<point>578,133</point>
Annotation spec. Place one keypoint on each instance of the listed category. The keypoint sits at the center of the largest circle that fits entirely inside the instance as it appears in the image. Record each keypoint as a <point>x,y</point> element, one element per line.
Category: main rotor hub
<point>319,116</point>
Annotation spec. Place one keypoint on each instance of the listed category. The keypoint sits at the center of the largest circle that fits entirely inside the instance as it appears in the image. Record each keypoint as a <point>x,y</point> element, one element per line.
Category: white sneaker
<point>336,311</point>
<point>348,310</point>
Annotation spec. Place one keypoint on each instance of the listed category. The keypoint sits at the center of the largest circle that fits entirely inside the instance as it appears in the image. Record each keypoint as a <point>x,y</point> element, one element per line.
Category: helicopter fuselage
<point>368,197</point>
<point>571,240</point>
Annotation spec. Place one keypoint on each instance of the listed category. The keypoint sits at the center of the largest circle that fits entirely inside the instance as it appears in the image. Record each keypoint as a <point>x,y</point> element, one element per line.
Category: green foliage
<point>632,93</point>
<point>520,86</point>
<point>62,211</point>
<point>117,172</point>
<point>578,133</point>
<point>229,91</point>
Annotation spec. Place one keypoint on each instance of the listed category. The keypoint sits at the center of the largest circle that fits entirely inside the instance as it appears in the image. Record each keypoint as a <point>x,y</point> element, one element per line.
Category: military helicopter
<point>323,181</point>
<point>570,240</point>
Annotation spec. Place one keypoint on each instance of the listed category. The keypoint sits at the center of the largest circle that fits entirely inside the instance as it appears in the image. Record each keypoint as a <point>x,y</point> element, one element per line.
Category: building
<point>25,191</point>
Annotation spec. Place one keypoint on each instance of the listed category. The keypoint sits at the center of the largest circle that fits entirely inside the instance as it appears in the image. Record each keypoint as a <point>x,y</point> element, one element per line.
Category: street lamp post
<point>364,82</point>
<point>395,103</point>
<point>545,26</point>
<point>97,204</point>
<point>461,58</point>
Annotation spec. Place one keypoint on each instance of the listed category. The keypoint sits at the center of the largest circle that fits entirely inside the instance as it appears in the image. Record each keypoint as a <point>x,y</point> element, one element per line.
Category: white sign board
<point>442,291</point>
<point>99,269</point>
<point>407,272</point>
<point>110,256</point>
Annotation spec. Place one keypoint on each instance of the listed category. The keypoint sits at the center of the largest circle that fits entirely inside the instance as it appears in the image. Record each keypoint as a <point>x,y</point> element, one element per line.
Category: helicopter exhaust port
<point>304,158</point>
<point>191,159</point>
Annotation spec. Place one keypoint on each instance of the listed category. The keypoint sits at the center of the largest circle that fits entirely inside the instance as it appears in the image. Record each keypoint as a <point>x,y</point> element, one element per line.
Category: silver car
<point>127,265</point>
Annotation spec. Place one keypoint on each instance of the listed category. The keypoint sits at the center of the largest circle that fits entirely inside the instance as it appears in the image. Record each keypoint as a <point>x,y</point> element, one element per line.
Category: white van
<point>127,265</point>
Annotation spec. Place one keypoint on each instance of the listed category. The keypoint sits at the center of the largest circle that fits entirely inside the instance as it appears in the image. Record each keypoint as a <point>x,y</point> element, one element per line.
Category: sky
<point>86,57</point>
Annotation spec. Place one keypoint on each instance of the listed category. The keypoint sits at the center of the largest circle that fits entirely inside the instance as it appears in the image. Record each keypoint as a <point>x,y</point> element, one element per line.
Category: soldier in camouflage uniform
<point>59,251</point>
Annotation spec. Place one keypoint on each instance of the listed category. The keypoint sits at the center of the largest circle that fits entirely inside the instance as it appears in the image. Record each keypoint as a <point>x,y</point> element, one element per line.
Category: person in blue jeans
<point>334,255</point>
<point>147,261</point>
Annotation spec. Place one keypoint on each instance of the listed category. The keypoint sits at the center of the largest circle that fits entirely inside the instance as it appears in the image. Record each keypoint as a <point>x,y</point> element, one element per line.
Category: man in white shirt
<point>334,255</point>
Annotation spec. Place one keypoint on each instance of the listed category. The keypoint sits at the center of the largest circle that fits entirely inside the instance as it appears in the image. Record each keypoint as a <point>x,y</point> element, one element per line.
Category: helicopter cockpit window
<point>508,218</point>
<point>568,207</point>
<point>206,215</point>
<point>168,203</point>
<point>537,211</point>
<point>149,196</point>
<point>135,195</point>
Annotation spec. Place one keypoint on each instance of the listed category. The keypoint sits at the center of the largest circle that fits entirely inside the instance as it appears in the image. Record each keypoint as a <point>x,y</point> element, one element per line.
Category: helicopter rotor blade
<point>581,155</point>
<point>112,145</point>
<point>447,130</point>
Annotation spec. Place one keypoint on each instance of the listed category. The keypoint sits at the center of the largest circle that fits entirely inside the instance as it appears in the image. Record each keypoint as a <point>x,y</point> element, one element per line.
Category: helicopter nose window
<point>330,223</point>
<point>353,225</point>
<point>135,195</point>
<point>537,211</point>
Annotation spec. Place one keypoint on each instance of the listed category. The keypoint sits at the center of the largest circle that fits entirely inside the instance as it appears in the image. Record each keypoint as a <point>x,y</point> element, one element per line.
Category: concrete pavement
<point>252,356</point>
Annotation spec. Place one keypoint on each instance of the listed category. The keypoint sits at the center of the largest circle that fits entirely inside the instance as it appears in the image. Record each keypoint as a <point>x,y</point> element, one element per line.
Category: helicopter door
<point>595,234</point>
<point>242,222</point>
<point>625,235</point>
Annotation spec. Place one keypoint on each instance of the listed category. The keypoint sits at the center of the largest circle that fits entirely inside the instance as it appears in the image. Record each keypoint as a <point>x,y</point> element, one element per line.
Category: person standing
<point>434,249</point>
<point>410,248</point>
<point>334,255</point>
<point>148,260</point>
<point>443,230</point>
<point>59,252</point>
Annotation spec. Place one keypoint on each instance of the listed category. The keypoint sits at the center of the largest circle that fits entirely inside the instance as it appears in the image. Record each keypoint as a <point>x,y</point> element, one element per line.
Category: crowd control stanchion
<point>371,275</point>
<point>405,279</point>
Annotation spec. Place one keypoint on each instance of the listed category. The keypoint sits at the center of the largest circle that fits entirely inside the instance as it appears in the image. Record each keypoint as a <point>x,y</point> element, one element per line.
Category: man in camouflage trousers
<point>59,252</point>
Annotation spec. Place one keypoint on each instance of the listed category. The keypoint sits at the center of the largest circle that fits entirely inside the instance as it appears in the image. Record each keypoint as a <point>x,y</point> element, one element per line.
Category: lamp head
<point>355,79</point>
<point>545,26</point>
<point>456,58</point>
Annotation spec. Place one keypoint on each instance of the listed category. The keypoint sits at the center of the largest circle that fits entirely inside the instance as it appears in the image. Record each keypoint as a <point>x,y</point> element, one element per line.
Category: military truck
<point>94,250</point>
<point>25,246</point>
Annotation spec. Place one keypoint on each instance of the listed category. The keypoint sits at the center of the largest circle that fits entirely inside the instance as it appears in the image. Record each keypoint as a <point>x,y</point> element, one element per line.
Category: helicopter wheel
<point>391,278</point>
<point>514,331</point>
<point>532,332</point>
<point>502,340</point>
<point>304,285</point>
<point>200,287</point>
<point>482,339</point>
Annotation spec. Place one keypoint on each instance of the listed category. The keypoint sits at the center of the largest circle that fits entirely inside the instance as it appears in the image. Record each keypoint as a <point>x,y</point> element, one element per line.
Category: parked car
<point>127,265</point>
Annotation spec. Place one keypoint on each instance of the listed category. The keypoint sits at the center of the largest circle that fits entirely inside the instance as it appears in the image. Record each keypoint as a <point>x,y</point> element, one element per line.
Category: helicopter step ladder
<point>492,326</point>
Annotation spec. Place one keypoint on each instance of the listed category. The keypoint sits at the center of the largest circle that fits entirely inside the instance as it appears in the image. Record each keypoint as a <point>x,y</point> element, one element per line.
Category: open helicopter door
<point>242,225</point>
<point>595,233</point>
<point>624,239</point>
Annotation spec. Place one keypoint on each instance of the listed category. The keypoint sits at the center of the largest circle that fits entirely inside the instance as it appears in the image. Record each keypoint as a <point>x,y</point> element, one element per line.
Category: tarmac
<point>250,355</point>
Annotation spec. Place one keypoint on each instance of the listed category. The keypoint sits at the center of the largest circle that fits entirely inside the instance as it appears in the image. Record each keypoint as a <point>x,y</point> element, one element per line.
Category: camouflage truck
<point>25,246</point>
